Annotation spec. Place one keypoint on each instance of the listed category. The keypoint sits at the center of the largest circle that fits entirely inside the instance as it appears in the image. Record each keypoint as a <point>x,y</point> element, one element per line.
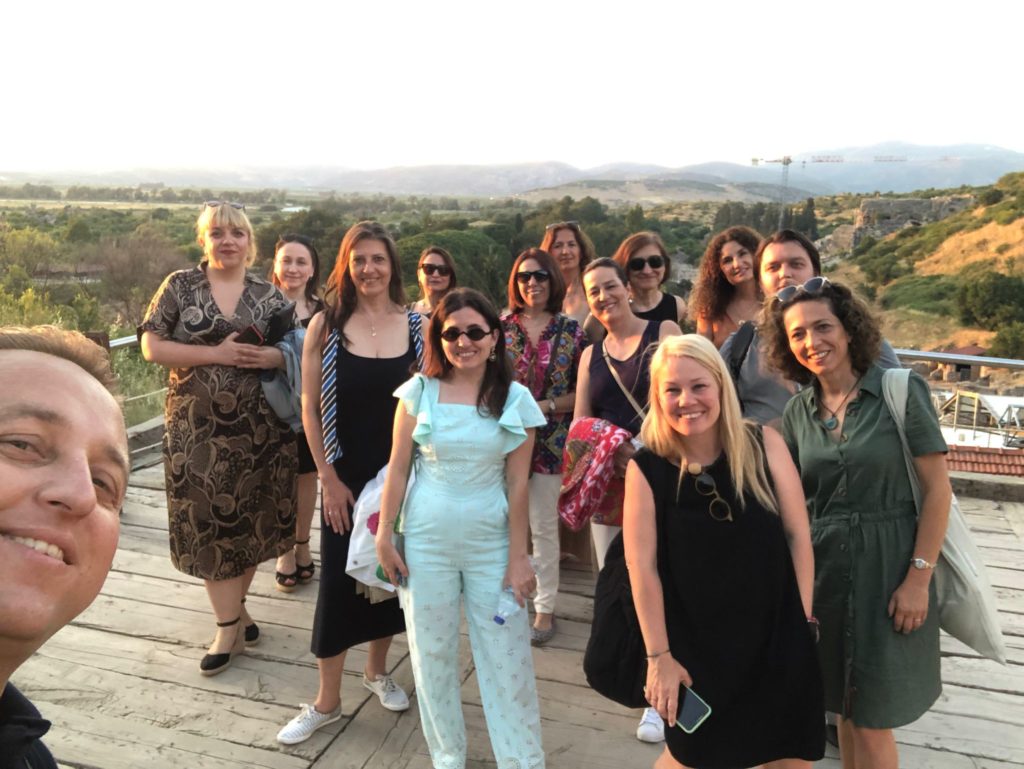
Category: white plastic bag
<point>362,549</point>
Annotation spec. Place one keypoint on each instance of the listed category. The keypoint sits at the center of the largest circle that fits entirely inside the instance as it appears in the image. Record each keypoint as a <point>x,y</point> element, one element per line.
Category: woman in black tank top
<point>644,258</point>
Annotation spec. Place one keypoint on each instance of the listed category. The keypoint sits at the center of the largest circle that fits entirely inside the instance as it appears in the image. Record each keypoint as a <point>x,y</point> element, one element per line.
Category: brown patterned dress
<point>229,461</point>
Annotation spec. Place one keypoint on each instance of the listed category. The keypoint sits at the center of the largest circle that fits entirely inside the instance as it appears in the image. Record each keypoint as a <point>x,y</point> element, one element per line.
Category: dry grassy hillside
<point>999,245</point>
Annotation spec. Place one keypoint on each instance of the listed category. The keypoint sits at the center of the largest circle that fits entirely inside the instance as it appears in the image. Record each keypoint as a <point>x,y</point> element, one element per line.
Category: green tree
<point>635,219</point>
<point>990,299</point>
<point>1008,342</point>
<point>30,249</point>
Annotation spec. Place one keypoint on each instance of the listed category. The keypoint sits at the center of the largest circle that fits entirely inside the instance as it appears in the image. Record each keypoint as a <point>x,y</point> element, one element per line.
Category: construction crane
<point>786,161</point>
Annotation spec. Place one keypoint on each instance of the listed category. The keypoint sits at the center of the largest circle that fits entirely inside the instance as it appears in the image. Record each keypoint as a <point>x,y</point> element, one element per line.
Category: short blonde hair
<point>738,436</point>
<point>226,215</point>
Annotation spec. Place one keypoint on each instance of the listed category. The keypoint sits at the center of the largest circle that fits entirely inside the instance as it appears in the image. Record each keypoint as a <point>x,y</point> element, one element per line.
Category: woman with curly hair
<point>874,550</point>
<point>727,292</point>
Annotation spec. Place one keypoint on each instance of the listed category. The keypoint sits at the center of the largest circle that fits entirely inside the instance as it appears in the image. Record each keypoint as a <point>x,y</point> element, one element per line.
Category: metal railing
<point>958,359</point>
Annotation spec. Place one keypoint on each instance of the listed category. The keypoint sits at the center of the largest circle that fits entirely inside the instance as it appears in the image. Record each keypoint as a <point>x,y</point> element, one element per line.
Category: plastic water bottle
<point>507,606</point>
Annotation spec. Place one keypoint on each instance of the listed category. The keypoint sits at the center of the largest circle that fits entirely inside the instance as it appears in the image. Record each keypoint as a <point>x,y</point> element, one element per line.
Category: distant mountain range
<point>887,167</point>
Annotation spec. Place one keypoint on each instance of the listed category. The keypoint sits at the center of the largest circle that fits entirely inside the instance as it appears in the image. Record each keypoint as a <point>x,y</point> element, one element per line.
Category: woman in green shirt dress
<point>874,554</point>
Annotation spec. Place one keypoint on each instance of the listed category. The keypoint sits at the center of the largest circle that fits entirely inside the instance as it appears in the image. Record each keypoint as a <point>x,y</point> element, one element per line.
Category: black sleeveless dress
<point>736,623</point>
<point>663,310</point>
<point>366,413</point>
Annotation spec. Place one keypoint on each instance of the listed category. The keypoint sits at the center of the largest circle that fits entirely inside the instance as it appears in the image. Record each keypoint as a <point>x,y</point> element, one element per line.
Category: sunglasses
<point>637,263</point>
<point>541,276</point>
<point>452,333</point>
<point>436,269</point>
<point>813,287</point>
<point>219,203</point>
<point>718,508</point>
<point>563,225</point>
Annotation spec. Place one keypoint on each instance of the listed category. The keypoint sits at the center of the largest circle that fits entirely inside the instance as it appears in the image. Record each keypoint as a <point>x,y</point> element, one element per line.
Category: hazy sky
<point>106,85</point>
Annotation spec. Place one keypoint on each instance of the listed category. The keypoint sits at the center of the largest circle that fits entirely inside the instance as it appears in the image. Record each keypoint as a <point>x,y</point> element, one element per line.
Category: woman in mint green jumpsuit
<point>464,528</point>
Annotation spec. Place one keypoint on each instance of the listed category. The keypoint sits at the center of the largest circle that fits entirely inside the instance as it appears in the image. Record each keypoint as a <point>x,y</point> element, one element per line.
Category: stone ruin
<point>878,217</point>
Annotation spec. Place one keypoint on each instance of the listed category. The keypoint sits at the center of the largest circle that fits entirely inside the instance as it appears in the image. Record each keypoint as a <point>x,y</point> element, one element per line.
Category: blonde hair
<point>225,215</point>
<point>738,436</point>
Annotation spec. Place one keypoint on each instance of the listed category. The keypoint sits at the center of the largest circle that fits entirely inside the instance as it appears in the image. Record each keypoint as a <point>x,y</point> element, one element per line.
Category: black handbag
<point>615,662</point>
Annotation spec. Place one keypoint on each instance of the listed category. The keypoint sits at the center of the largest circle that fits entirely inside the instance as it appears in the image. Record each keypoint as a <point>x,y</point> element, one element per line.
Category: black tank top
<point>607,400</point>
<point>663,310</point>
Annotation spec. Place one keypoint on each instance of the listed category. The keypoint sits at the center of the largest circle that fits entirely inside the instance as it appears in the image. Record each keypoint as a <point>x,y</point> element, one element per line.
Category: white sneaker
<point>308,720</point>
<point>651,728</point>
<point>388,692</point>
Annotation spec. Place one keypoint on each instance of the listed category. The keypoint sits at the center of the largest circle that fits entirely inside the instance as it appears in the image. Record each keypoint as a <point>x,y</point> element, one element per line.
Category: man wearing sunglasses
<point>784,259</point>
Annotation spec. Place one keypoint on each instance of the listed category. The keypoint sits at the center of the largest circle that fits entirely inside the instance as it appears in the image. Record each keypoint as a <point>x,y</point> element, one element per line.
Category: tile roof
<point>977,459</point>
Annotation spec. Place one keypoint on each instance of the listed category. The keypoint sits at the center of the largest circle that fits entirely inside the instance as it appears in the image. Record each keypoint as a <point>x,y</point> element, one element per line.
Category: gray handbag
<point>967,605</point>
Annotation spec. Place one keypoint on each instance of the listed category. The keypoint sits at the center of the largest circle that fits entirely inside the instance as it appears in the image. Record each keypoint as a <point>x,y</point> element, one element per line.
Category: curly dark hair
<point>498,372</point>
<point>712,292</point>
<point>856,317</point>
<point>556,295</point>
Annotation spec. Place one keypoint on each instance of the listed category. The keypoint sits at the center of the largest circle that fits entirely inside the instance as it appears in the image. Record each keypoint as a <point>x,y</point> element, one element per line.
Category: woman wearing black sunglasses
<point>874,550</point>
<point>544,347</point>
<point>729,612</point>
<point>644,258</point>
<point>435,273</point>
<point>464,520</point>
<point>727,291</point>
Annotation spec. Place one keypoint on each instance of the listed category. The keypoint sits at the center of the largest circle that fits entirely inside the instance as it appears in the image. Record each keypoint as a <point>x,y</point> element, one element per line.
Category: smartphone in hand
<point>250,335</point>
<point>692,712</point>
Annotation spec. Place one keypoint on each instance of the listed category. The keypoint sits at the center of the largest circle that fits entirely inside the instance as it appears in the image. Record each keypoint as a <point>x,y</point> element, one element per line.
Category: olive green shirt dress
<point>863,527</point>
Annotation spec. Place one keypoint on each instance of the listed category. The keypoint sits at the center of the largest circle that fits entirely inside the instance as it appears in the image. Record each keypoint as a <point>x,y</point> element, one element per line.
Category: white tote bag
<point>967,605</point>
<point>362,549</point>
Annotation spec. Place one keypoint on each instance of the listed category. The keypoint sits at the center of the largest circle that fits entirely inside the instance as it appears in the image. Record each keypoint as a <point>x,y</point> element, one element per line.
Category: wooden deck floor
<point>123,689</point>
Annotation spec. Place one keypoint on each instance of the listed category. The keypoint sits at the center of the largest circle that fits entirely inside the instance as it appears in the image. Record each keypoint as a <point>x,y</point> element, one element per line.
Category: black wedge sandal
<point>304,572</point>
<point>212,664</point>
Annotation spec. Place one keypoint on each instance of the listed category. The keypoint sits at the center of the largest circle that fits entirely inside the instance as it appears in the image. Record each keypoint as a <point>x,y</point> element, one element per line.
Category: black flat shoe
<point>212,664</point>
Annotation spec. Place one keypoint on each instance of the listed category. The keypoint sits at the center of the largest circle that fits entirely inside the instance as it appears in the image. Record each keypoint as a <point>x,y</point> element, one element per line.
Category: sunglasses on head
<point>814,287</point>
<point>436,269</point>
<point>637,262</point>
<point>452,333</point>
<point>219,203</point>
<point>541,276</point>
<point>573,225</point>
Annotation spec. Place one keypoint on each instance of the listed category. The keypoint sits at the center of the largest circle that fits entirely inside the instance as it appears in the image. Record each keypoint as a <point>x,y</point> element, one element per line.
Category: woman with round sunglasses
<point>875,551</point>
<point>613,384</point>
<point>296,271</point>
<point>727,291</point>
<point>464,526</point>
<point>544,347</point>
<point>572,251</point>
<point>435,273</point>
<point>644,258</point>
<point>229,460</point>
<point>721,567</point>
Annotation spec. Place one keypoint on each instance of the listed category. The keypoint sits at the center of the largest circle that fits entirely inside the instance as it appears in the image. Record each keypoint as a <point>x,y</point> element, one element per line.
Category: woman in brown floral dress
<point>229,461</point>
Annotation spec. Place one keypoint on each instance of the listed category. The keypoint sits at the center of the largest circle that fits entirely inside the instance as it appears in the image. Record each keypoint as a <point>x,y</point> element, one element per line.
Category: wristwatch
<point>921,563</point>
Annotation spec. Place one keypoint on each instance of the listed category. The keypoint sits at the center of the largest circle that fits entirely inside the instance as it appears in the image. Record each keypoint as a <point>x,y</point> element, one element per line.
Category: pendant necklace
<point>832,422</point>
